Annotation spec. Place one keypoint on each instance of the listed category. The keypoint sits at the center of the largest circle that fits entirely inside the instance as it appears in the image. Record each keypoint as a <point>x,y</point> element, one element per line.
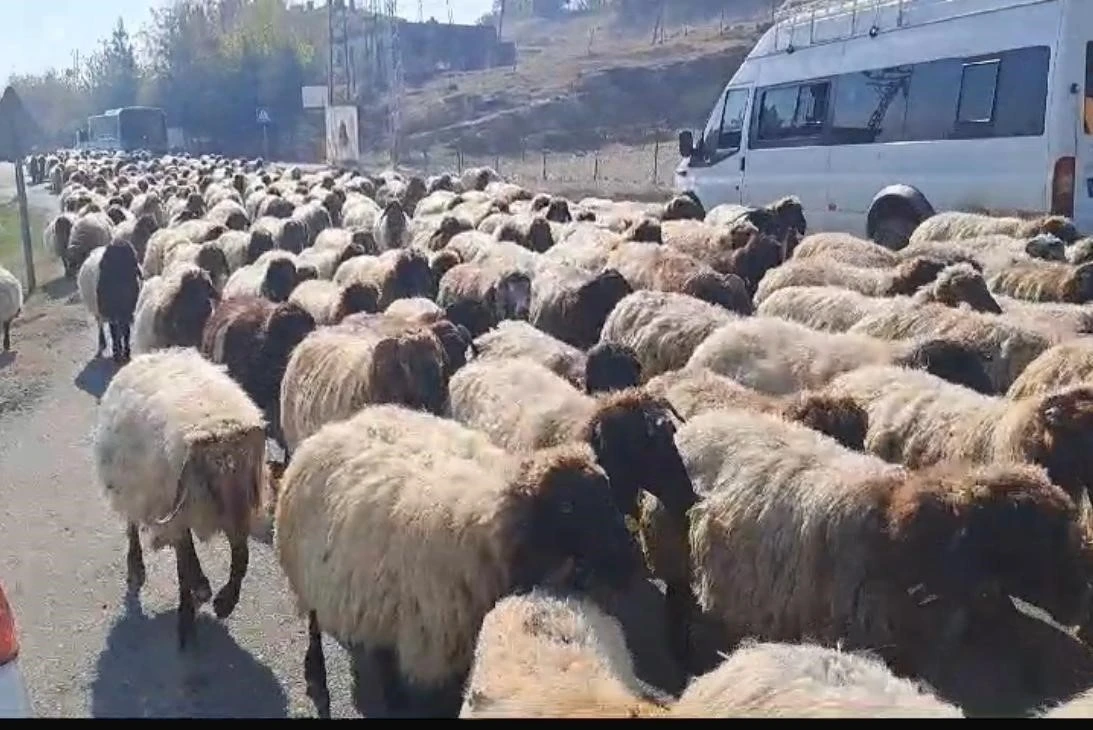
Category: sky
<point>51,31</point>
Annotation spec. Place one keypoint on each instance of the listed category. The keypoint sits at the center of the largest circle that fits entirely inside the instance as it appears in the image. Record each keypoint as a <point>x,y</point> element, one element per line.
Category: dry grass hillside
<point>588,104</point>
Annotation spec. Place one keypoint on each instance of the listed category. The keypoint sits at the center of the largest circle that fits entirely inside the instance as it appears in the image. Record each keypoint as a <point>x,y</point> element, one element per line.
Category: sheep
<point>1006,345</point>
<point>904,279</point>
<point>230,214</point>
<point>662,328</point>
<point>587,246</point>
<point>11,304</point>
<point>531,232</point>
<point>779,219</point>
<point>846,249</point>
<point>326,260</point>
<point>1044,281</point>
<point>172,309</point>
<point>1080,252</point>
<point>771,680</point>
<point>287,234</point>
<point>516,338</point>
<point>955,225</point>
<point>396,274</point>
<point>179,448</point>
<point>797,538</point>
<point>241,248</point>
<point>663,268</point>
<point>697,390</point>
<point>1060,366</point>
<point>473,246</point>
<point>610,367</point>
<point>56,236</point>
<point>88,233</point>
<point>273,276</point>
<point>500,293</point>
<point>466,523</point>
<point>392,228</point>
<point>745,252</point>
<point>1058,320</point>
<point>208,256</point>
<point>434,233</point>
<point>416,309</point>
<point>366,359</point>
<point>572,305</point>
<point>779,357</point>
<point>834,309</point>
<point>314,218</point>
<point>136,232</point>
<point>329,303</point>
<point>546,655</point>
<point>109,284</point>
<point>477,178</point>
<point>1079,707</point>
<point>918,420</point>
<point>523,406</point>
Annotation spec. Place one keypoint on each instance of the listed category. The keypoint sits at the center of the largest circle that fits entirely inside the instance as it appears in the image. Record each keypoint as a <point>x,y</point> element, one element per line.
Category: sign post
<point>18,131</point>
<point>264,121</point>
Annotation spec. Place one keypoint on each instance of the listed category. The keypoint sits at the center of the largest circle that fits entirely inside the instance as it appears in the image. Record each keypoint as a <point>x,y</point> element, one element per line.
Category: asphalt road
<point>86,649</point>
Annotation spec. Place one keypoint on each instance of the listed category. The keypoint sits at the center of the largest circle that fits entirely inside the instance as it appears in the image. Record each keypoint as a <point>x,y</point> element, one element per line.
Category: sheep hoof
<point>203,591</point>
<point>225,602</point>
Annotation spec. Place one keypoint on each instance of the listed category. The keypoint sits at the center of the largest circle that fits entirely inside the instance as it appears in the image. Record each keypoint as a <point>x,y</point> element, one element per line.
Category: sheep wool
<point>168,421</point>
<point>1067,363</point>
<point>662,328</point>
<point>846,249</point>
<point>771,680</point>
<point>540,655</point>
<point>515,338</point>
<point>11,303</point>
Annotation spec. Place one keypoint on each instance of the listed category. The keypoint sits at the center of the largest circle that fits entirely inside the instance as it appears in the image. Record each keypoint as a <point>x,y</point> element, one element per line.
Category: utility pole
<point>500,19</point>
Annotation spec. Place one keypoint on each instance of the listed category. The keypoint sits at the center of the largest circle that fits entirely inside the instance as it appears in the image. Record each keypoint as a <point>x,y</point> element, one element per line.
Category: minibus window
<point>732,123</point>
<point>1088,109</point>
<point>978,84</point>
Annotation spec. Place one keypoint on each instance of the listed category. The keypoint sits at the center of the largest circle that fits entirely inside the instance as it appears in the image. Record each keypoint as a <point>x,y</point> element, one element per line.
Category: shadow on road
<point>141,673</point>
<point>59,288</point>
<point>96,376</point>
<point>6,359</point>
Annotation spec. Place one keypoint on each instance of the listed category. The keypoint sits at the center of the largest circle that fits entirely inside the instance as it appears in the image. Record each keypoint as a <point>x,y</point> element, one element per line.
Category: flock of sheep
<point>500,411</point>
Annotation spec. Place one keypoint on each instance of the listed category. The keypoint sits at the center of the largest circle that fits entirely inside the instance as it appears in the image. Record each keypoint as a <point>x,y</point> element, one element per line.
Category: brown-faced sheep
<point>663,268</point>
<point>1006,345</point>
<point>542,655</point>
<point>11,303</point>
<point>180,450</point>
<point>696,390</point>
<point>109,283</point>
<point>572,305</point>
<point>531,232</point>
<point>904,279</point>
<point>500,292</point>
<point>749,254</point>
<point>172,309</point>
<point>314,218</point>
<point>329,303</point>
<point>392,227</point>
<point>779,357</point>
<point>955,225</point>
<point>834,309</point>
<point>447,524</point>
<point>522,406</point>
<point>776,680</point>
<point>780,219</point>
<point>254,338</point>
<point>434,232</point>
<point>273,276</point>
<point>287,234</point>
<point>244,247</point>
<point>396,274</point>
<point>918,420</point>
<point>1060,366</point>
<point>662,328</point>
<point>797,538</point>
<point>364,360</point>
<point>1045,281</point>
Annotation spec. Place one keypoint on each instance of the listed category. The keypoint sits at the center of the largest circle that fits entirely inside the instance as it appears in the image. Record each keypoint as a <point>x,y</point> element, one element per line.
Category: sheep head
<point>841,418</point>
<point>211,258</point>
<point>962,284</point>
<point>595,299</point>
<point>913,274</point>
<point>293,236</point>
<point>540,237</point>
<point>182,320</point>
<point>610,367</point>
<point>411,277</point>
<point>1046,246</point>
<point>285,328</point>
<point>408,369</point>
<point>449,226</point>
<point>633,436</point>
<point>1059,226</point>
<point>954,361</point>
<point>1078,287</point>
<point>569,534</point>
<point>951,530</point>
<point>725,290</point>
<point>1058,435</point>
<point>510,298</point>
<point>684,207</point>
<point>646,230</point>
<point>260,241</point>
<point>280,279</point>
<point>356,297</point>
<point>458,344</point>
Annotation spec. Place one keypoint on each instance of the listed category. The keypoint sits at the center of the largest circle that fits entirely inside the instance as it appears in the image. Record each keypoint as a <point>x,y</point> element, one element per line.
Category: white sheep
<point>398,531</point>
<point>179,447</point>
<point>11,303</point>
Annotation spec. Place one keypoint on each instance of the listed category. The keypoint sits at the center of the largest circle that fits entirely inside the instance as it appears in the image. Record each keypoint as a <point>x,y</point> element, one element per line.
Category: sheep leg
<point>199,584</point>
<point>135,559</point>
<point>187,608</point>
<point>7,336</point>
<point>395,696</point>
<point>228,596</point>
<point>126,333</point>
<point>102,339</point>
<point>677,609</point>
<point>116,342</point>
<point>315,668</point>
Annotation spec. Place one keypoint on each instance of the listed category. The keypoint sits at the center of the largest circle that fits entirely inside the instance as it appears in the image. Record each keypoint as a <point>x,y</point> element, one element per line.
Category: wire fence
<point>639,170</point>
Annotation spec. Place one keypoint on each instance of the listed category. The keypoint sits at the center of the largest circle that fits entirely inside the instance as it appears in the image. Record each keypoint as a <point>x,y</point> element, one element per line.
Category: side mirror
<point>686,143</point>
